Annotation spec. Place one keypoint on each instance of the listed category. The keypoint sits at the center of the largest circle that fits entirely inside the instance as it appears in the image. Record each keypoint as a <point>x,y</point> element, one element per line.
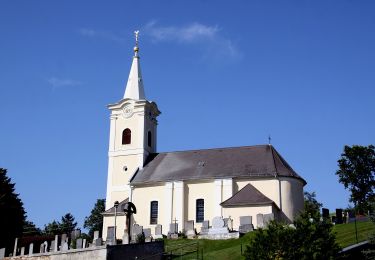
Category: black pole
<point>128,218</point>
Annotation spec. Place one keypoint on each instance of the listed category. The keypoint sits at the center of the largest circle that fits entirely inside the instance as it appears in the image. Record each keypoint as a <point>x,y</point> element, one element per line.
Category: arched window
<point>199,210</point>
<point>154,212</point>
<point>126,136</point>
<point>149,139</point>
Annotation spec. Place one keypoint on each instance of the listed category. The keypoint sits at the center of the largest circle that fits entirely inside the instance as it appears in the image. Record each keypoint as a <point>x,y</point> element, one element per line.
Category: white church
<point>196,185</point>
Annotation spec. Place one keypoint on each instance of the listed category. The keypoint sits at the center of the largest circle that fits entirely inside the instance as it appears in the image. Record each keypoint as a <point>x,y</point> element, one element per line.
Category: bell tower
<point>133,124</point>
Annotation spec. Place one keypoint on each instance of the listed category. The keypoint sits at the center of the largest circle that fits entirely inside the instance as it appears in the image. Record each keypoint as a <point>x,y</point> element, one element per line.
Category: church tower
<point>133,133</point>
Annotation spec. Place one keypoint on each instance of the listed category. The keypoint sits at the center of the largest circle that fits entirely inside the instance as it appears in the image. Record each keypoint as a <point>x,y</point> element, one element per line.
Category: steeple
<point>134,88</point>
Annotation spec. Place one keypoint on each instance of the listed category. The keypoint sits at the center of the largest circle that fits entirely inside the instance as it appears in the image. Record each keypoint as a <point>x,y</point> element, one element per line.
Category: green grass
<point>345,233</point>
<point>211,249</point>
<point>231,248</point>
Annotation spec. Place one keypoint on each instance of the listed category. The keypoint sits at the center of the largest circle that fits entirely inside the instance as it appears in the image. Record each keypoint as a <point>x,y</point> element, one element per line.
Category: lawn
<point>345,233</point>
<point>231,248</point>
<point>211,249</point>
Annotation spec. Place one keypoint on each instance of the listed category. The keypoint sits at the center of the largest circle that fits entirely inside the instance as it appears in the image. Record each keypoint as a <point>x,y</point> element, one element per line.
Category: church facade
<point>194,185</point>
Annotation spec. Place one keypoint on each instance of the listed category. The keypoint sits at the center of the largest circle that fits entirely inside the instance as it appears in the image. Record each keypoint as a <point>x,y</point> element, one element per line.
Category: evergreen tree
<point>52,228</point>
<point>29,229</point>
<point>12,213</point>
<point>68,223</point>
<point>95,220</point>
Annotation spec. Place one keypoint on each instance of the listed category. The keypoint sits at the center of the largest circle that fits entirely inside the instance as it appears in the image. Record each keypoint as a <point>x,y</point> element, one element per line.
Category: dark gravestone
<point>110,235</point>
<point>325,213</point>
<point>75,234</point>
<point>338,216</point>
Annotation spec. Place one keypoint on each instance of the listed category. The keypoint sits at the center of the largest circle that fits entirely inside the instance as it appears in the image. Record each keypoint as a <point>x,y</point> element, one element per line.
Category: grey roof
<point>248,195</point>
<point>120,209</point>
<point>259,161</point>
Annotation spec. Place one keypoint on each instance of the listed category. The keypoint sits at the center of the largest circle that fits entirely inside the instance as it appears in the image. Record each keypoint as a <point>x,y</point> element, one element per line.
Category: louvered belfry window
<point>199,210</point>
<point>154,212</point>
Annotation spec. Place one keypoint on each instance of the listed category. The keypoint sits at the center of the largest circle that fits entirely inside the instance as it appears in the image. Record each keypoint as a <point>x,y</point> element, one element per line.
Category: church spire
<point>134,88</point>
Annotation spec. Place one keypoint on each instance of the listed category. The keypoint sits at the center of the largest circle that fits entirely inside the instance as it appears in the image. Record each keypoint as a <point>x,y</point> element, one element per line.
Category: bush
<point>311,238</point>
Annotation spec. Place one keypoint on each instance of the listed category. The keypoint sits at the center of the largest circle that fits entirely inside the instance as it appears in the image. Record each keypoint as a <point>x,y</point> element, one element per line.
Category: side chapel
<point>188,185</point>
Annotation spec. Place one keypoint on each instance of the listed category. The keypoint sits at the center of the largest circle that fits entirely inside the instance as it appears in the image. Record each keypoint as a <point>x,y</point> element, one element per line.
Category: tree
<point>12,213</point>
<point>52,228</point>
<point>29,229</point>
<point>68,223</point>
<point>356,171</point>
<point>311,205</point>
<point>95,220</point>
<point>309,238</point>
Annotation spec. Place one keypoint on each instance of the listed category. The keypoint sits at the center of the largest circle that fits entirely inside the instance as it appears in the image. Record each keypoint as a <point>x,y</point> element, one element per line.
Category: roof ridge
<point>218,148</point>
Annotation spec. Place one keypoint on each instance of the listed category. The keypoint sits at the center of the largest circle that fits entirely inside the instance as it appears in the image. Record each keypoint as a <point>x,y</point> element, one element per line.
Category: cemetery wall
<point>74,254</point>
<point>236,212</point>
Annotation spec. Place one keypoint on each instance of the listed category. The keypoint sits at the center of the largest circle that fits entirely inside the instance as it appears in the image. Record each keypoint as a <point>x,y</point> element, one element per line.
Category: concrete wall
<point>99,253</point>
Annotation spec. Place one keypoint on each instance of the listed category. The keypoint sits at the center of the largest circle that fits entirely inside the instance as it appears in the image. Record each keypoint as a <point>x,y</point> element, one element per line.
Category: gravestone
<point>75,234</point>
<point>205,227</point>
<point>260,220</point>
<point>245,220</point>
<point>246,224</point>
<point>147,234</point>
<point>125,238</point>
<point>56,243</point>
<point>325,213</point>
<point>217,222</point>
<point>98,241</point>
<point>110,236</point>
<point>41,248</point>
<point>218,227</point>
<point>31,249</point>
<point>45,247</point>
<point>136,231</point>
<point>2,253</point>
<point>84,243</point>
<point>65,246</point>
<point>96,234</point>
<point>15,247</point>
<point>267,218</point>
<point>189,229</point>
<point>158,231</point>
<point>173,228</point>
<point>338,216</point>
<point>79,243</point>
<point>64,238</point>
<point>52,246</point>
<point>22,250</point>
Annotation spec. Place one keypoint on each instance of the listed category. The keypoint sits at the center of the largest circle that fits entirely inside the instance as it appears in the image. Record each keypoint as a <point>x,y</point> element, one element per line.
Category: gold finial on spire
<point>136,49</point>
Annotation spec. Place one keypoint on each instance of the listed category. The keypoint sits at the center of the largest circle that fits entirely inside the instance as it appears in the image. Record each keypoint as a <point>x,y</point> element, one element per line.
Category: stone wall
<point>98,253</point>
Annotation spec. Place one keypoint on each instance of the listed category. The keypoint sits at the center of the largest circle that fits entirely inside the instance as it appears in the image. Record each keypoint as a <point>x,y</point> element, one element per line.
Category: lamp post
<point>116,206</point>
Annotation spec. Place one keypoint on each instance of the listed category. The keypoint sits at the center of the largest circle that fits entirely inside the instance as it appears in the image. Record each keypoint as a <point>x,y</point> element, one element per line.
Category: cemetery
<point>144,241</point>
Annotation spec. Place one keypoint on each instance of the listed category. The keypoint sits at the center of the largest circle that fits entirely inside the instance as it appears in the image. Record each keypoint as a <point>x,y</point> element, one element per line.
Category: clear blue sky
<point>224,73</point>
